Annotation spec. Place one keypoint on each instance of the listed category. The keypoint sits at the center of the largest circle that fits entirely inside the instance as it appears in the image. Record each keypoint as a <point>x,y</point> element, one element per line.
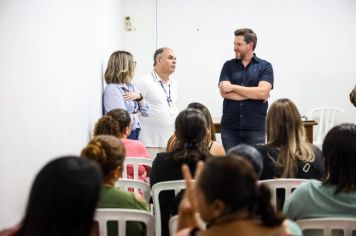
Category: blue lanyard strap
<point>168,96</point>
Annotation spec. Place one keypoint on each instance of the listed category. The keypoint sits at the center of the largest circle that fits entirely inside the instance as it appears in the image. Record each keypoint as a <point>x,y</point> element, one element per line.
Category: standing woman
<point>121,93</point>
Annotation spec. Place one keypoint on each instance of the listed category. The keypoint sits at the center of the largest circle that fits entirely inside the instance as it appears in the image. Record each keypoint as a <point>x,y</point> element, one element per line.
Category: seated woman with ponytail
<point>229,199</point>
<point>190,131</point>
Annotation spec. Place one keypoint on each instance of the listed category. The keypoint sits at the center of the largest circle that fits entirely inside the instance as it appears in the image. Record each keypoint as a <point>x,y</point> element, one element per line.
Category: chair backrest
<point>287,184</point>
<point>326,117</point>
<point>135,162</point>
<point>136,185</point>
<point>176,185</point>
<point>328,225</point>
<point>103,215</point>
<point>173,223</point>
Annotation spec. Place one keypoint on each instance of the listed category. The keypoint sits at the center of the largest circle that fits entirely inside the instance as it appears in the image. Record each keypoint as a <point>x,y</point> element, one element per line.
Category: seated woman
<point>335,196</point>
<point>62,200</point>
<point>215,148</point>
<point>287,153</point>
<point>109,153</point>
<point>190,130</point>
<point>229,199</point>
<point>249,153</point>
<point>117,123</point>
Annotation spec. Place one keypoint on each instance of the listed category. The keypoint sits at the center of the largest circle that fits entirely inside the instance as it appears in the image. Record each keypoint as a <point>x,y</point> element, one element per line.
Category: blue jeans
<point>134,134</point>
<point>232,137</point>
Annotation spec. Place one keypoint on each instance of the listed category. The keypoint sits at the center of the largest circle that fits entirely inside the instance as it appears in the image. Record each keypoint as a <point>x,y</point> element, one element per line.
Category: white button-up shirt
<point>157,128</point>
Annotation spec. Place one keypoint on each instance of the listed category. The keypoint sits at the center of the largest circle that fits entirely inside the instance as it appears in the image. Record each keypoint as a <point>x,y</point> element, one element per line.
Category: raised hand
<point>188,207</point>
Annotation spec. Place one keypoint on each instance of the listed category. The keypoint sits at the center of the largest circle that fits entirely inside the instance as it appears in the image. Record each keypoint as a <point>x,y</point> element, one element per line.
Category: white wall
<point>309,43</point>
<point>51,56</point>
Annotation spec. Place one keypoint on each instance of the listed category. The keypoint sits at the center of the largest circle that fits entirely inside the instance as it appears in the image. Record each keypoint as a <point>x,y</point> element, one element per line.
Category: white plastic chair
<point>135,161</point>
<point>176,186</point>
<point>326,117</point>
<point>125,184</point>
<point>173,224</point>
<point>327,225</point>
<point>287,184</point>
<point>103,215</point>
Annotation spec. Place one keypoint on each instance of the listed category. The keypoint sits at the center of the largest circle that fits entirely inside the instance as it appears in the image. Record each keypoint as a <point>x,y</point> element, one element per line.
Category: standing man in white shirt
<point>160,91</point>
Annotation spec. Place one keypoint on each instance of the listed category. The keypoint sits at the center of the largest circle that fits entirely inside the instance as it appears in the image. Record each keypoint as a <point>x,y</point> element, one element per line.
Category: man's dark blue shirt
<point>247,114</point>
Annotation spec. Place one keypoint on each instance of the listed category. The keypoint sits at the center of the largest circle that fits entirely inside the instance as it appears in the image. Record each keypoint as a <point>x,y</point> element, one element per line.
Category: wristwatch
<point>139,99</point>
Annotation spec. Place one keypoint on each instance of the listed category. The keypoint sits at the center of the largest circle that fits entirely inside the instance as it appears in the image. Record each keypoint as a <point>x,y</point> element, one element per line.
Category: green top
<point>111,197</point>
<point>316,200</point>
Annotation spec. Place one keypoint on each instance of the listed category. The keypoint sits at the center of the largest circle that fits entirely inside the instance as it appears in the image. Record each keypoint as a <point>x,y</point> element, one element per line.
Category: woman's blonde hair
<point>285,131</point>
<point>120,68</point>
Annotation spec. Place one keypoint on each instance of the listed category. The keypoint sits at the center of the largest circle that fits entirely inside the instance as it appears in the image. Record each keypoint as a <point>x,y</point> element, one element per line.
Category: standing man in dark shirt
<point>245,83</point>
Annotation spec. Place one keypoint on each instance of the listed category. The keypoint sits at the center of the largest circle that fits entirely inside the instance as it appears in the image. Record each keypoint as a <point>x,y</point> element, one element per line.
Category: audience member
<point>190,130</point>
<point>287,153</point>
<point>117,123</point>
<point>250,153</point>
<point>229,199</point>
<point>161,91</point>
<point>121,93</point>
<point>215,148</point>
<point>62,200</point>
<point>335,195</point>
<point>109,153</point>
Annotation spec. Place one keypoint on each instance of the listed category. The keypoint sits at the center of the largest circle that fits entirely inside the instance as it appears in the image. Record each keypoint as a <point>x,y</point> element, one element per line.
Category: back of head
<point>120,68</point>
<point>249,153</point>
<point>122,117</point>
<point>339,150</point>
<point>283,123</point>
<point>191,130</point>
<point>285,131</point>
<point>107,125</point>
<point>107,151</point>
<point>208,118</point>
<point>63,199</point>
<point>249,36</point>
<point>233,181</point>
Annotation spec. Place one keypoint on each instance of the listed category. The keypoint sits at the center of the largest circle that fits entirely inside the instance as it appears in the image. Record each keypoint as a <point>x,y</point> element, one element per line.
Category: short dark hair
<point>339,150</point>
<point>249,153</point>
<point>63,198</point>
<point>157,53</point>
<point>249,36</point>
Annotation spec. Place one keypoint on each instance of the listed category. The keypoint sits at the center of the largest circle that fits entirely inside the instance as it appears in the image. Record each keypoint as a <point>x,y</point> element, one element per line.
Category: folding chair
<point>287,184</point>
<point>103,215</point>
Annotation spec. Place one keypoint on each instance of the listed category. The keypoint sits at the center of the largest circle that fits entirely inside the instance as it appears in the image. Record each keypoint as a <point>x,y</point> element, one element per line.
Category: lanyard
<point>168,96</point>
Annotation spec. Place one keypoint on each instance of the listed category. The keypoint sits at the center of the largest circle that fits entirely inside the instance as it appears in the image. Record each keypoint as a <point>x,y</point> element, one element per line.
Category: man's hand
<point>226,86</point>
